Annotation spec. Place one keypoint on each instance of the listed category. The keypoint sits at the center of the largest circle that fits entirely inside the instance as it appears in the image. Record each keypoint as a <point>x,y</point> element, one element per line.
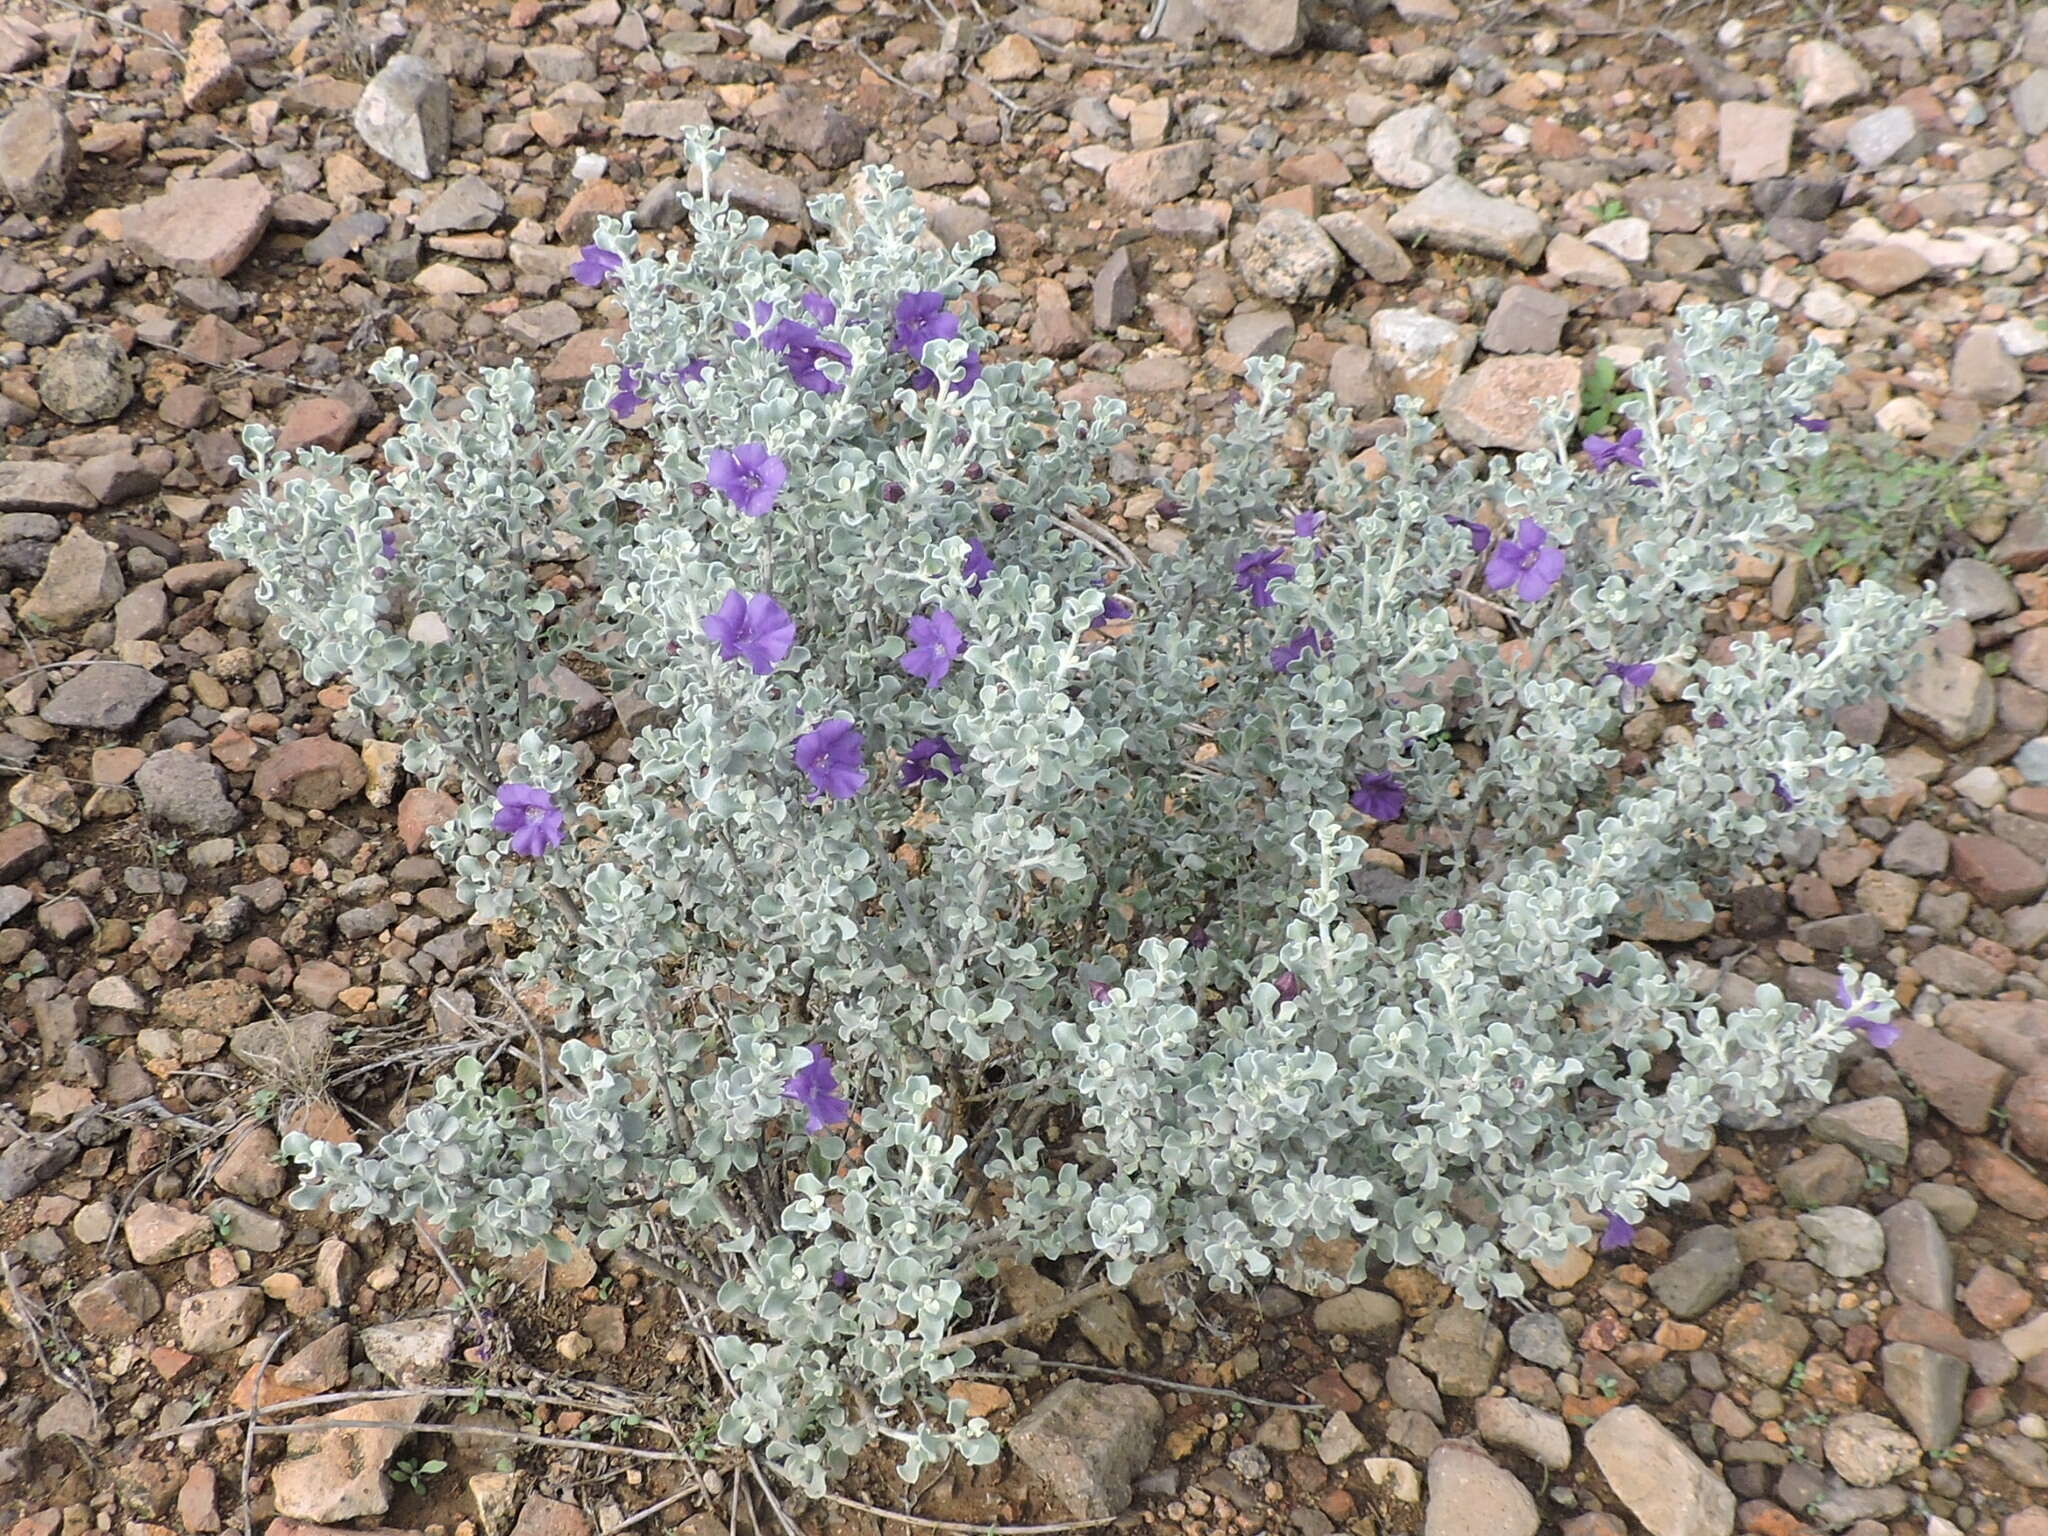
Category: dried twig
<point>249,1432</point>
<point>1073,1301</point>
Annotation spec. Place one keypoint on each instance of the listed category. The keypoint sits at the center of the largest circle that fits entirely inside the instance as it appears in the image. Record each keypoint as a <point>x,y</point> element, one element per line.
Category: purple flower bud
<point>1288,985</point>
<point>1811,423</point>
<point>1098,991</point>
<point>1453,921</point>
<point>1479,533</point>
<point>1619,1233</point>
<point>892,492</point>
<point>1633,674</point>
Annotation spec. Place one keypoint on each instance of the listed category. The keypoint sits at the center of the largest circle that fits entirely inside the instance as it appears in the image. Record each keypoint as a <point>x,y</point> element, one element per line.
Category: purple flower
<point>1785,796</point>
<point>820,308</point>
<point>803,348</point>
<point>1288,985</point>
<point>1257,571</point>
<point>1380,796</point>
<point>922,316</point>
<point>1198,937</point>
<point>627,398</point>
<point>693,371</point>
<point>829,756</point>
<point>1306,641</point>
<point>596,266</point>
<point>1098,991</point>
<point>929,760</point>
<point>1606,452</point>
<point>1306,524</point>
<point>935,644</point>
<point>1619,1233</point>
<point>388,542</point>
<point>1114,609</point>
<point>977,567</point>
<point>970,373</point>
<point>1481,535</point>
<point>749,475</point>
<point>1528,562</point>
<point>764,312</point>
<point>754,629</point>
<point>1881,1033</point>
<point>529,814</point>
<point>1811,423</point>
<point>817,1090</point>
<point>1632,674</point>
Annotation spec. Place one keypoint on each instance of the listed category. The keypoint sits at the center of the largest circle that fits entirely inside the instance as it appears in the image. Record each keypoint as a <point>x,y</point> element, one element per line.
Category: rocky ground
<point>218,924</point>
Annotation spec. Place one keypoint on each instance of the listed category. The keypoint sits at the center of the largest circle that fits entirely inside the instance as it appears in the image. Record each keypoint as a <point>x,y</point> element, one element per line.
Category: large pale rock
<point>1453,215</point>
<point>1150,177</point>
<point>1500,403</point>
<point>1419,353</point>
<point>1287,256</point>
<point>81,583</point>
<point>406,116</point>
<point>1469,1493</point>
<point>38,154</point>
<point>1087,1442</point>
<point>1662,1483</point>
<point>338,1474</point>
<point>1271,27</point>
<point>1415,147</point>
<point>199,228</point>
<point>1827,75</point>
<point>1949,697</point>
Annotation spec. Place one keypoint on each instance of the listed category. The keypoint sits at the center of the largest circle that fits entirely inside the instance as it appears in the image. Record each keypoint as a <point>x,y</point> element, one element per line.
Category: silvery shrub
<point>976,893</point>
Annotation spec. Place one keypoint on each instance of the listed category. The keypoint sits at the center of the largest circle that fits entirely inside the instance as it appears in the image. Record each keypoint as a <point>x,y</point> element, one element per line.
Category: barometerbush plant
<point>977,894</point>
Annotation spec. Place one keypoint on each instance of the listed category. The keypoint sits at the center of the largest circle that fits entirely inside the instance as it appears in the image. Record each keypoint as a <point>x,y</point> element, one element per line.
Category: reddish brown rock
<point>1995,1299</point>
<point>24,847</point>
<point>1876,270</point>
<point>314,773</point>
<point>2004,1182</point>
<point>1995,872</point>
<point>2014,1033</point>
<point>1964,1086</point>
<point>319,421</point>
<point>117,1306</point>
<point>2026,1107</point>
<point>217,1007</point>
<point>199,228</point>
<point>551,1517</point>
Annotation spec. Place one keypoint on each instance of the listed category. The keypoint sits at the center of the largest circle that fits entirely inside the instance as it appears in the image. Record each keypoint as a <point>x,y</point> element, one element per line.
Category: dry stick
<point>650,1511</point>
<point>899,84</point>
<point>1168,1384</point>
<point>995,1333</point>
<point>927,1523</point>
<point>381,1394</point>
<point>422,1427</point>
<point>249,1434</point>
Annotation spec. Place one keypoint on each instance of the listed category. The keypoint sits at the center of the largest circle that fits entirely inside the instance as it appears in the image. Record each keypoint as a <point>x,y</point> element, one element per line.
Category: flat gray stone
<point>1453,215</point>
<point>1927,1387</point>
<point>1918,1264</point>
<point>1705,1267</point>
<point>1087,1441</point>
<point>106,696</point>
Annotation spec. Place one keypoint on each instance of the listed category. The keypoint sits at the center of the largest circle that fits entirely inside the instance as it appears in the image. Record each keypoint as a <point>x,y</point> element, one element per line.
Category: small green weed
<point>414,1474</point>
<point>1891,511</point>
<point>1599,400</point>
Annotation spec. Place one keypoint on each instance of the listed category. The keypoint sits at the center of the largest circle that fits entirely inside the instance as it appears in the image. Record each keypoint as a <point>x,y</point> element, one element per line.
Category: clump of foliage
<point>975,894</point>
<point>1889,511</point>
